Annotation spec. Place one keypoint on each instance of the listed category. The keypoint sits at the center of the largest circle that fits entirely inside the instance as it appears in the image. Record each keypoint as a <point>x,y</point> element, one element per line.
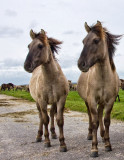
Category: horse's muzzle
<point>82,66</point>
<point>27,67</point>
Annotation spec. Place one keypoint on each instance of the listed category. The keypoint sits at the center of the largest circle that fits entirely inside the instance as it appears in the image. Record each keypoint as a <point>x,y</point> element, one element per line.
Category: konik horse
<point>98,84</point>
<point>7,86</point>
<point>48,84</point>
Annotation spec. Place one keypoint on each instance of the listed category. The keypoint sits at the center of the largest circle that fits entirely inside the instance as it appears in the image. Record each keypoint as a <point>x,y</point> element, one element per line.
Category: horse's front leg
<point>53,111</point>
<point>95,124</point>
<point>60,122</point>
<point>40,131</point>
<point>108,109</point>
<point>89,136</point>
<point>45,119</point>
<point>100,116</point>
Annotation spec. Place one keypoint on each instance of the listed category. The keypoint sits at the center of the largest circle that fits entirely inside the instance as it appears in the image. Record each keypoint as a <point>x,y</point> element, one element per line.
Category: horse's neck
<point>50,70</point>
<point>104,70</point>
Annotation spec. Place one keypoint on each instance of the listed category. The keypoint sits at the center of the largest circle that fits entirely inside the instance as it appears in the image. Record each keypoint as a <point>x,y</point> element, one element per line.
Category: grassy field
<point>75,103</point>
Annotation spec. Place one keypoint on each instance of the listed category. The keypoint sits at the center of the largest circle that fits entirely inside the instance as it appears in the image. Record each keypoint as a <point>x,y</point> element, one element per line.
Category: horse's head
<point>41,50</point>
<point>94,47</point>
<point>38,51</point>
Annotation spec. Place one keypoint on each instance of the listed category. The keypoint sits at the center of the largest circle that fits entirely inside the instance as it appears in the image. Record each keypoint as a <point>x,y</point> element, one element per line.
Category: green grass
<point>75,103</point>
<point>118,109</point>
<point>19,94</point>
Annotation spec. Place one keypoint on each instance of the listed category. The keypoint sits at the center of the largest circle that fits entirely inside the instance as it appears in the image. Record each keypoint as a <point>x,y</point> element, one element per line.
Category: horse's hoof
<point>89,137</point>
<point>47,145</point>
<point>108,148</point>
<point>54,136</point>
<point>38,139</point>
<point>94,154</point>
<point>63,149</point>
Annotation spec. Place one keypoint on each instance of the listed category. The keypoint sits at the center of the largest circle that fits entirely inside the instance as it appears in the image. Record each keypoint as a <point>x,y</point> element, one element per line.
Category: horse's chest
<point>52,95</point>
<point>104,94</point>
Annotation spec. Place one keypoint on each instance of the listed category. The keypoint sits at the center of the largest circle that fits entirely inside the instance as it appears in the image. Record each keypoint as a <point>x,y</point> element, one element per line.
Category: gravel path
<point>18,128</point>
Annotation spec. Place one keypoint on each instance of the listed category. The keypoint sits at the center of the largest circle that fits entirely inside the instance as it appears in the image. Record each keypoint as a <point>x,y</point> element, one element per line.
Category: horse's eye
<point>96,41</point>
<point>40,46</point>
<point>28,46</point>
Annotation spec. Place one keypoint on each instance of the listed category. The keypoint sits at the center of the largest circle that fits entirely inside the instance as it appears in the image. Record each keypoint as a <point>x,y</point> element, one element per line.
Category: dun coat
<point>48,84</point>
<point>98,83</point>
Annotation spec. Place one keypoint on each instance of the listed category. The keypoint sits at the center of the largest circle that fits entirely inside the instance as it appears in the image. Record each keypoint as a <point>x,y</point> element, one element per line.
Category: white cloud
<point>10,13</point>
<point>72,73</point>
<point>14,76</point>
<point>10,32</point>
<point>12,70</point>
<point>9,62</point>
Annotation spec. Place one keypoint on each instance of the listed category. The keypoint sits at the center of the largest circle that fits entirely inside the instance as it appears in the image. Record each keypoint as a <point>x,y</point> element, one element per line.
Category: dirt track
<point>18,128</point>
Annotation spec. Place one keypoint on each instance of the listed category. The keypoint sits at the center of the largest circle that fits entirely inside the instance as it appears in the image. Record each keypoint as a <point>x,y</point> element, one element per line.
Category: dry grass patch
<point>18,114</point>
<point>21,120</point>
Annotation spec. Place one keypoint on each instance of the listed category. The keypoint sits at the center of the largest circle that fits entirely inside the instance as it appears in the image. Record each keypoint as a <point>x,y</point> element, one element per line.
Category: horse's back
<point>62,79</point>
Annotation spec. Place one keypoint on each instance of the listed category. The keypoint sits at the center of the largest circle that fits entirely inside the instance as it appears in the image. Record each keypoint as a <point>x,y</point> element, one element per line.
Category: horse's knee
<point>95,124</point>
<point>107,122</point>
<point>60,121</point>
<point>45,118</point>
<point>38,107</point>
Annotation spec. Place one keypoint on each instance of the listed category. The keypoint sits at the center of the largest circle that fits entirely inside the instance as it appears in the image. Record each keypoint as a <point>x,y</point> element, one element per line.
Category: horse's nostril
<point>83,64</point>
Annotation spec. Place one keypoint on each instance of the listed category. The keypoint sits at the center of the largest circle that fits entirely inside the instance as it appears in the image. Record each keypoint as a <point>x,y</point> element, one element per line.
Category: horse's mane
<point>111,39</point>
<point>54,43</point>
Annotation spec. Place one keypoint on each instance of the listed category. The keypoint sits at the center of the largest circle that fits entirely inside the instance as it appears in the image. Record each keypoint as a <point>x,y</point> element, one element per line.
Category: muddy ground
<point>18,128</point>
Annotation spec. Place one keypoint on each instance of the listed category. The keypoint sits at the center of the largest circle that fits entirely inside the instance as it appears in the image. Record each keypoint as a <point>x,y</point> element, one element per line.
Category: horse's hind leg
<point>108,109</point>
<point>100,115</point>
<point>60,122</point>
<point>40,131</point>
<point>53,111</point>
<point>89,136</point>
<point>118,97</point>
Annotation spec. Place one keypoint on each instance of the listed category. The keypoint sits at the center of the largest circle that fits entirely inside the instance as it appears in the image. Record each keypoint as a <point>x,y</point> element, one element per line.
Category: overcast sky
<point>61,19</point>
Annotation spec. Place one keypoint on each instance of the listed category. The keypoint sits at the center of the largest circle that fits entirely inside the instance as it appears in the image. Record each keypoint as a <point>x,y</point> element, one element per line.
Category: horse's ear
<point>100,28</point>
<point>32,34</point>
<point>43,32</point>
<point>88,29</point>
<point>99,23</point>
